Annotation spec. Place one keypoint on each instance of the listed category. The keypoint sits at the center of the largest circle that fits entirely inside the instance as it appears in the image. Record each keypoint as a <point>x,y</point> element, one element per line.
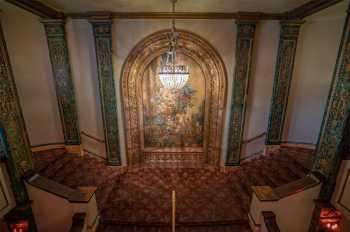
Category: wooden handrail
<point>173,216</point>
<point>270,221</point>
<point>254,138</point>
<point>92,137</point>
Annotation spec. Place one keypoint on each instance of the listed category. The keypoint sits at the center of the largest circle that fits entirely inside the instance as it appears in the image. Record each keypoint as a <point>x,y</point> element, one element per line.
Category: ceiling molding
<point>310,8</point>
<point>178,15</point>
<point>38,8</point>
<point>307,9</point>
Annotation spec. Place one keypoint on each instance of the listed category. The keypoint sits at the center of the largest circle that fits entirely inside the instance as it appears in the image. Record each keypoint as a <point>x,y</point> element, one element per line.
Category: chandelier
<point>172,75</point>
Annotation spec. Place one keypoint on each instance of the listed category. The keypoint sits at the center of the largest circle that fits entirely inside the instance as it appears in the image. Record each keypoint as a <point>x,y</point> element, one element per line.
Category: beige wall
<point>28,52</point>
<point>315,60</point>
<point>260,86</point>
<point>83,60</point>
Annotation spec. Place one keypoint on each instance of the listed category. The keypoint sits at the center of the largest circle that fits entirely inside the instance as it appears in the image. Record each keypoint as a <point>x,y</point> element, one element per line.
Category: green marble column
<point>244,50</point>
<point>56,39</point>
<point>103,45</point>
<point>330,145</point>
<point>14,143</point>
<point>289,33</point>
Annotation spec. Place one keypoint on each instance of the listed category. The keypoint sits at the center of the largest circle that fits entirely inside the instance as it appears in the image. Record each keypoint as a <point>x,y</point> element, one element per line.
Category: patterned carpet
<point>207,199</point>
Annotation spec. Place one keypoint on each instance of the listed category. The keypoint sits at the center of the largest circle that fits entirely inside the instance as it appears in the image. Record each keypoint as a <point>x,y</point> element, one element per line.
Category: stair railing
<point>173,211</point>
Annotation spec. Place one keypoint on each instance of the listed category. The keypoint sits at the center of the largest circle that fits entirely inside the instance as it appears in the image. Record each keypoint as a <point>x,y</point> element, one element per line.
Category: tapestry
<point>173,118</point>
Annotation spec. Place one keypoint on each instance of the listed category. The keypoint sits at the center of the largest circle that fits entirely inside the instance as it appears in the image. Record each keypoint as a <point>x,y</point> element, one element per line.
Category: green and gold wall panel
<point>14,145</point>
<point>329,148</point>
<point>56,39</point>
<point>289,33</point>
<point>244,50</point>
<point>103,45</point>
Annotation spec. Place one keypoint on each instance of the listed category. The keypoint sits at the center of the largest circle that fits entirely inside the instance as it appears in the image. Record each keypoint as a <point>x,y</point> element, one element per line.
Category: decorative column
<point>14,146</point>
<point>244,50</point>
<point>289,33</point>
<point>56,39</point>
<point>103,45</point>
<point>330,147</point>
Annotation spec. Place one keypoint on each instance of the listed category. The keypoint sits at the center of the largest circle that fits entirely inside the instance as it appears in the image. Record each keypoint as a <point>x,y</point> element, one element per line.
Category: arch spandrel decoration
<point>215,76</point>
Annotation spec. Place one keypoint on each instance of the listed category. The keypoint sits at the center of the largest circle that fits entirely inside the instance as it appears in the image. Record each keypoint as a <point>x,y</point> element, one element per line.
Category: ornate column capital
<point>246,28</point>
<point>290,28</point>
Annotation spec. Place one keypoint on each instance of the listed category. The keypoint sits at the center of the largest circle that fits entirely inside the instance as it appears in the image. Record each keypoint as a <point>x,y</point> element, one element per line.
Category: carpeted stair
<point>207,199</point>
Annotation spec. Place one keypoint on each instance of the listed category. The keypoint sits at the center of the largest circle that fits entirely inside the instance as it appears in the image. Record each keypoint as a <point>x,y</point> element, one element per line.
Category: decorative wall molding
<point>179,15</point>
<point>214,73</point>
<point>18,155</point>
<point>307,9</point>
<point>56,39</point>
<point>289,33</point>
<point>244,51</point>
<point>38,8</point>
<point>102,29</point>
<point>328,153</point>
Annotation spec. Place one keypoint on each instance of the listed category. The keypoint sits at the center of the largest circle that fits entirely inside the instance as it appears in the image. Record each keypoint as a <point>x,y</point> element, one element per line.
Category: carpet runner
<point>207,199</point>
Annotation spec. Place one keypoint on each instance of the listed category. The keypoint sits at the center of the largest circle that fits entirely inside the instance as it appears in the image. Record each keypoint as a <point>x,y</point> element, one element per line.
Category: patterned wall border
<point>289,33</point>
<point>215,76</point>
<point>64,86</point>
<point>102,30</point>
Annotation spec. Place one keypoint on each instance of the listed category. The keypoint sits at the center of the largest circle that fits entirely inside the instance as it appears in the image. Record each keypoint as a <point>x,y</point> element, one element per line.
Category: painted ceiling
<point>268,6</point>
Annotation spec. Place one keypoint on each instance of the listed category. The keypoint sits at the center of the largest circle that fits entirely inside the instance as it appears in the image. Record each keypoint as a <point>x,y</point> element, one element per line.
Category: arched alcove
<point>209,69</point>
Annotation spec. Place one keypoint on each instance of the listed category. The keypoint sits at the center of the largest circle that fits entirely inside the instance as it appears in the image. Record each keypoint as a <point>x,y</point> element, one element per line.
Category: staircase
<point>208,199</point>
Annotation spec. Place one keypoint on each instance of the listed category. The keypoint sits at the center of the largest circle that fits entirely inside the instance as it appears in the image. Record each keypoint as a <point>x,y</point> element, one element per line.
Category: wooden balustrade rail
<point>92,137</point>
<point>254,138</point>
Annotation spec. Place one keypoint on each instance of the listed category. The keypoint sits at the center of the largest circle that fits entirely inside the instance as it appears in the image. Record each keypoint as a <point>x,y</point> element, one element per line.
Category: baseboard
<point>299,145</point>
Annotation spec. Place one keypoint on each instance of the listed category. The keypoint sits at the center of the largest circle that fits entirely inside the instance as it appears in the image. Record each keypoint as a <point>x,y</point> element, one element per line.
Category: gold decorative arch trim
<point>215,76</point>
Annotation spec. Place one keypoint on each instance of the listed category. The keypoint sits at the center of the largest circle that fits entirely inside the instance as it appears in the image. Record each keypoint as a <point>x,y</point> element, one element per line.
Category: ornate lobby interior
<point>174,115</point>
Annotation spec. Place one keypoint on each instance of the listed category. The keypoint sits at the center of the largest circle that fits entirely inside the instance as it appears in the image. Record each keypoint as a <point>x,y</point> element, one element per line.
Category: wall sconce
<point>330,219</point>
<point>19,226</point>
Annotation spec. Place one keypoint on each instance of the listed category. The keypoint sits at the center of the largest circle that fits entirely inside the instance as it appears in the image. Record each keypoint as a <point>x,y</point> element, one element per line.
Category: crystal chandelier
<point>171,75</point>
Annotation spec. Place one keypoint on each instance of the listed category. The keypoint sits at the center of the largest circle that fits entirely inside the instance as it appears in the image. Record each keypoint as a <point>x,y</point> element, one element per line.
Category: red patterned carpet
<point>207,199</point>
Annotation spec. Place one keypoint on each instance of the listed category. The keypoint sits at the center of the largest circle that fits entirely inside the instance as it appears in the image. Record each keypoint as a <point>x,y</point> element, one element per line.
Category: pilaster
<point>102,29</point>
<point>58,50</point>
<point>330,146</point>
<point>244,51</point>
<point>14,143</point>
<point>289,33</point>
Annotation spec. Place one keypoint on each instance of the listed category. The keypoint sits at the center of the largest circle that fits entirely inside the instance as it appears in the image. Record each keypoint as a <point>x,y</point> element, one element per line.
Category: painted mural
<point>173,118</point>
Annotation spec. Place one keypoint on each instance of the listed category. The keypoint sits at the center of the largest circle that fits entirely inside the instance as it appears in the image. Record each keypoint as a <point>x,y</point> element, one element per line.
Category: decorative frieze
<point>56,39</point>
<point>244,50</point>
<point>103,44</point>
<point>289,33</point>
<point>15,144</point>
